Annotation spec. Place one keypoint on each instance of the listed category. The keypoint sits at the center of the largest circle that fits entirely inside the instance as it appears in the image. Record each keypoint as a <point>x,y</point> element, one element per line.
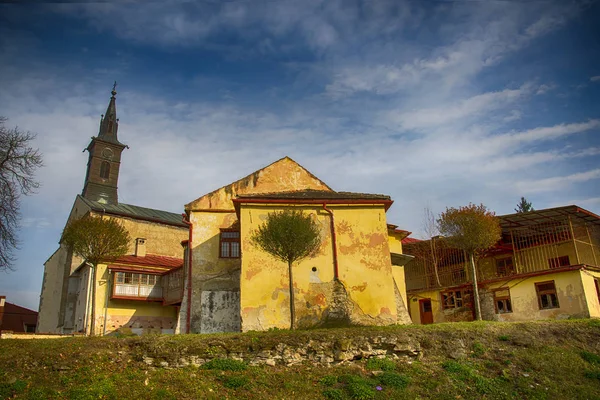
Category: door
<point>426,312</point>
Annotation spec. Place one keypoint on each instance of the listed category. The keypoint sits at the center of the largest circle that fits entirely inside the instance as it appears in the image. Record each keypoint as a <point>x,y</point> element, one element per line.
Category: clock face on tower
<point>107,153</point>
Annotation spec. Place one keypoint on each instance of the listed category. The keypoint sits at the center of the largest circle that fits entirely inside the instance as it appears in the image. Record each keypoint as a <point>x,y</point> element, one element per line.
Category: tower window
<point>104,170</point>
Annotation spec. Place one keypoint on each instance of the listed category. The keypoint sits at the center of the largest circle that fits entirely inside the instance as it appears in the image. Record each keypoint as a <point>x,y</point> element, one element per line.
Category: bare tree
<point>18,163</point>
<point>289,236</point>
<point>473,229</point>
<point>430,228</point>
<point>96,239</point>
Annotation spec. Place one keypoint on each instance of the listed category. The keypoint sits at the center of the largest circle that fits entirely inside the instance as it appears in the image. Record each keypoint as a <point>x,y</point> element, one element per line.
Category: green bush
<point>380,364</point>
<point>236,381</point>
<point>360,390</point>
<point>453,366</point>
<point>592,374</point>
<point>504,338</point>
<point>394,380</point>
<point>328,380</point>
<point>225,364</point>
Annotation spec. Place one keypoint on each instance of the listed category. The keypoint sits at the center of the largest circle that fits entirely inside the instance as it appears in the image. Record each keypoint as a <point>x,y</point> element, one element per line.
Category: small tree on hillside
<point>524,206</point>
<point>96,239</point>
<point>473,229</point>
<point>289,236</point>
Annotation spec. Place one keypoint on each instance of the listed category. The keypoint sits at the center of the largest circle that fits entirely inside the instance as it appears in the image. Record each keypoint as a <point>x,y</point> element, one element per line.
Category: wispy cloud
<point>552,183</point>
<point>595,78</point>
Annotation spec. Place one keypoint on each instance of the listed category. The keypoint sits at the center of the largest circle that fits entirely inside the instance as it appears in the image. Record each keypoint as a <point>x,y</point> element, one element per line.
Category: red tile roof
<point>150,260</point>
<point>410,240</point>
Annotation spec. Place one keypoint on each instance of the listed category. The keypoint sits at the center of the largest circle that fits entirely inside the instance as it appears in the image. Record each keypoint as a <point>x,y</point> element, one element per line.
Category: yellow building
<point>136,293</point>
<point>545,266</point>
<point>218,281</point>
<point>350,280</point>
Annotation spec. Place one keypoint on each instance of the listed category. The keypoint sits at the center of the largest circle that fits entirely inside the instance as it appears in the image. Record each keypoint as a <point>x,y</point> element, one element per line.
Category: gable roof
<point>136,212</point>
<point>283,175</point>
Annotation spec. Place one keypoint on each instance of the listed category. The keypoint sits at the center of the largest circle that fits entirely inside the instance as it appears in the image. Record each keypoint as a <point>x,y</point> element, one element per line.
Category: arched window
<point>104,170</point>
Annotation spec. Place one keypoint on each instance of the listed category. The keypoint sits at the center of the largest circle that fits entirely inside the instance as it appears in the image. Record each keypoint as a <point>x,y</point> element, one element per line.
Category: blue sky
<point>436,103</point>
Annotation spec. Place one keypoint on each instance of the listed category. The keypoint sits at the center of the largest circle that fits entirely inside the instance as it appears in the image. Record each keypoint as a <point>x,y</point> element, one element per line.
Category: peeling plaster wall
<point>572,299</point>
<point>569,289</point>
<point>220,311</point>
<point>283,175</point>
<point>209,271</point>
<point>365,293</point>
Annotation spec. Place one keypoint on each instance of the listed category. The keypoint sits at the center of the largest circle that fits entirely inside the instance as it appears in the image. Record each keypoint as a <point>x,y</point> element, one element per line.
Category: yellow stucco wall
<point>589,287</point>
<point>138,315</point>
<point>364,269</point>
<point>569,289</point>
<point>282,175</point>
<point>573,300</point>
<point>164,240</point>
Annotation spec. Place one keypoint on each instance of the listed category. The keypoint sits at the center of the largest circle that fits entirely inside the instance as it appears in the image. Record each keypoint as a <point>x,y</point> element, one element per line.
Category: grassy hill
<point>538,360</point>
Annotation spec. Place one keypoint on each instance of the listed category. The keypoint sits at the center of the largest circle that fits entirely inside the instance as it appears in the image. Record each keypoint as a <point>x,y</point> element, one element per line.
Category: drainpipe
<point>108,286</point>
<point>188,317</point>
<point>333,242</point>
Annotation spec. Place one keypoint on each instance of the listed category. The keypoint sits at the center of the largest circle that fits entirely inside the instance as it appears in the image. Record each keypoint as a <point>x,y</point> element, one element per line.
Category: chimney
<point>140,247</point>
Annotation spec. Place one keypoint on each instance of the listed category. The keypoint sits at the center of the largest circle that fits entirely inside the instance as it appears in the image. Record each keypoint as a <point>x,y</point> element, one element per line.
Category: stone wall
<point>317,351</point>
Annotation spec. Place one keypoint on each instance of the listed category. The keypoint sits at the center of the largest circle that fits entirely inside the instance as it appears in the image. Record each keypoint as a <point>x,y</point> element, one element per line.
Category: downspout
<point>108,286</point>
<point>188,317</point>
<point>333,242</point>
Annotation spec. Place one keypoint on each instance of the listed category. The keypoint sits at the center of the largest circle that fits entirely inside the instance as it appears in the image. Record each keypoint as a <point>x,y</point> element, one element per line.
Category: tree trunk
<point>435,262</point>
<point>292,309</point>
<point>475,289</point>
<point>93,321</point>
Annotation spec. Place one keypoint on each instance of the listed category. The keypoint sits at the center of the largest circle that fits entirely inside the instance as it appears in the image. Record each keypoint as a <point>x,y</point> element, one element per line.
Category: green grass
<point>539,360</point>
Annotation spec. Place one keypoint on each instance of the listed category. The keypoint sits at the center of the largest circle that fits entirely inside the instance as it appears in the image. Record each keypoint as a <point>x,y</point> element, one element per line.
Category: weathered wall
<point>164,240</point>
<point>589,288</point>
<point>439,314</point>
<point>137,316</point>
<point>283,175</point>
<point>210,273</point>
<point>366,291</point>
<point>569,289</point>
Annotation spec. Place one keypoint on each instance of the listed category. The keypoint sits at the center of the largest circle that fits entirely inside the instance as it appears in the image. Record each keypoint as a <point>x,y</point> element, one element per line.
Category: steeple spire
<point>109,124</point>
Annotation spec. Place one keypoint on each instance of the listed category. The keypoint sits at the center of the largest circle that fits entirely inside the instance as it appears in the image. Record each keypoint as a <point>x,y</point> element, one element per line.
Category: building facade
<point>546,266</point>
<point>200,273</point>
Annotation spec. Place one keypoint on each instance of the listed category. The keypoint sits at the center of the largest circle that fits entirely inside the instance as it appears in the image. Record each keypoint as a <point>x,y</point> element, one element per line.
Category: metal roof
<point>548,215</point>
<point>137,212</point>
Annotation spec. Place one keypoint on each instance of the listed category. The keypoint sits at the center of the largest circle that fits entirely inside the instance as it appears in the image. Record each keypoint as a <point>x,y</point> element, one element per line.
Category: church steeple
<point>109,124</point>
<point>105,158</point>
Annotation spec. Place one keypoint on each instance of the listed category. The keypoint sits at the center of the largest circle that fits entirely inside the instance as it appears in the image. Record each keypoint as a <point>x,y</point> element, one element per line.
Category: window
<point>546,293</point>
<point>230,244</point>
<point>130,284</point>
<point>104,170</point>
<point>502,301</point>
<point>559,262</point>
<point>456,299</point>
<point>504,266</point>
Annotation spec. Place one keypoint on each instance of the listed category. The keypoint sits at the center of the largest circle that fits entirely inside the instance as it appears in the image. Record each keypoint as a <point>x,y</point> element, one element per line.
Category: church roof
<point>137,212</point>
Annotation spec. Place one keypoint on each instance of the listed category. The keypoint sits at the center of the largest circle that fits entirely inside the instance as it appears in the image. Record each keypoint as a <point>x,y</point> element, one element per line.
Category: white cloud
<point>557,182</point>
<point>595,78</point>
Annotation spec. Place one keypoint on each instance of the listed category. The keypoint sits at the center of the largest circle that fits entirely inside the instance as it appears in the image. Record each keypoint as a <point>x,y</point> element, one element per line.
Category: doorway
<point>426,311</point>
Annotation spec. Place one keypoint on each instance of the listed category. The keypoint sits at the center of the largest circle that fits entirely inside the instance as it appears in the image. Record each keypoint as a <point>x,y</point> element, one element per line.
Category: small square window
<point>229,244</point>
<point>502,301</point>
<point>546,293</point>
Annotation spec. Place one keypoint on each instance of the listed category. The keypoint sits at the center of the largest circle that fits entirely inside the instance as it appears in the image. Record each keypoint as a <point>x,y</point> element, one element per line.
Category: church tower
<point>104,158</point>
